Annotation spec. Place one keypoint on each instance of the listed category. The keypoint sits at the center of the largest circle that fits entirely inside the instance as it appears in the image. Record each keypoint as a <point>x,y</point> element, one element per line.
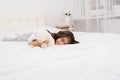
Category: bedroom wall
<point>53,9</point>
<point>101,20</point>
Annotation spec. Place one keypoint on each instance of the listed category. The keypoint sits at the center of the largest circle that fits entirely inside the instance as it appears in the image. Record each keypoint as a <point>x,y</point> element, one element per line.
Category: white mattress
<point>96,57</point>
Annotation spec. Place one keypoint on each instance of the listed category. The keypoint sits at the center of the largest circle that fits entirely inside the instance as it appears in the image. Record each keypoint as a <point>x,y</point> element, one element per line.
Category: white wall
<point>87,20</point>
<point>53,9</point>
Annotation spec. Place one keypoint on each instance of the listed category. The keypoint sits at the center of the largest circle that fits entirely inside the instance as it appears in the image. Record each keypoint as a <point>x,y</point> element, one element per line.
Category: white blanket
<point>96,57</point>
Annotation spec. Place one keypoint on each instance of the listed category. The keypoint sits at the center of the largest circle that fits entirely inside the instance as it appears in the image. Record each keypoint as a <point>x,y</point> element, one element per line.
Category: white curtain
<point>97,15</point>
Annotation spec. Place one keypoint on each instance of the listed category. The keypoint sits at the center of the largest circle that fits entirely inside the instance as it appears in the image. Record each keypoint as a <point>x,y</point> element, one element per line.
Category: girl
<point>45,38</point>
<point>60,38</point>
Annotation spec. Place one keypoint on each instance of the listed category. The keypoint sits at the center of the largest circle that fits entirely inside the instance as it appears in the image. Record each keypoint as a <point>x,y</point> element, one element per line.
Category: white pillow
<point>11,35</point>
<point>7,35</point>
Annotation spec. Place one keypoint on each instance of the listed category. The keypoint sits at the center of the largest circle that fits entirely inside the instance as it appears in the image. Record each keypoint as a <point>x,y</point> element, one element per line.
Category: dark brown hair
<point>67,34</point>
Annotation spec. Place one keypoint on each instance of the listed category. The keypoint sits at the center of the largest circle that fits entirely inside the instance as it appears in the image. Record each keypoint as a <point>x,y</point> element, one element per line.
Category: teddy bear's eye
<point>34,40</point>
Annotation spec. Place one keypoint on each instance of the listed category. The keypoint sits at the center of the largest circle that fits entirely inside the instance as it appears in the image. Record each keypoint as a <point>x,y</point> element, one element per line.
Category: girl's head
<point>64,37</point>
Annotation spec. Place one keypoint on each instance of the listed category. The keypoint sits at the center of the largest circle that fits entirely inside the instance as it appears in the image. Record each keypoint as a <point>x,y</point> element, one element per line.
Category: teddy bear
<point>43,37</point>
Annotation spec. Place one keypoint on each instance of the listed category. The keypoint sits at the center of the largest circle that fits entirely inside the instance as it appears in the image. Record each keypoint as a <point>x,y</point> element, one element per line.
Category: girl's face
<point>62,41</point>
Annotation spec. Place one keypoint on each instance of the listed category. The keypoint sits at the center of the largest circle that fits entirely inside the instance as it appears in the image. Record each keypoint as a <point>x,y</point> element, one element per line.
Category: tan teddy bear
<point>41,38</point>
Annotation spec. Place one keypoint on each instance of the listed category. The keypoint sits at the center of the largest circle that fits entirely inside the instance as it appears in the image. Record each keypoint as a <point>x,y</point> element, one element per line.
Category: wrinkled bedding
<point>96,57</point>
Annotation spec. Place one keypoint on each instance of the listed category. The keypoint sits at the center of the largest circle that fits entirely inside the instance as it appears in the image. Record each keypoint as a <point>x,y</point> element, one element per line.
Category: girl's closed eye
<point>62,41</point>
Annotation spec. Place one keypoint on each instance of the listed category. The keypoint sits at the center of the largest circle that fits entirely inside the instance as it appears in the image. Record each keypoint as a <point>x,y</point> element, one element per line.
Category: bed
<point>96,57</point>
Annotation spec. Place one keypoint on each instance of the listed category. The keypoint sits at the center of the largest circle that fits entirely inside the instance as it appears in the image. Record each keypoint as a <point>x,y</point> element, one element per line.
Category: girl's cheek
<point>59,43</point>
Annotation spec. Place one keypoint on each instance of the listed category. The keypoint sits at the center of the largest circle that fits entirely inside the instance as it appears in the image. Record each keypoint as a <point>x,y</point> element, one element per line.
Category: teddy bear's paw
<point>44,45</point>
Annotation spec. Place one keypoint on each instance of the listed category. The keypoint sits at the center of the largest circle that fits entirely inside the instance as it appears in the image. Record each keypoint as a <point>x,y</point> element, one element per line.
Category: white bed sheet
<point>97,57</point>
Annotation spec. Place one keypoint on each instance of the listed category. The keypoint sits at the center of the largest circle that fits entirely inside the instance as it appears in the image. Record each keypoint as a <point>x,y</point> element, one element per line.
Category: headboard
<point>13,22</point>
